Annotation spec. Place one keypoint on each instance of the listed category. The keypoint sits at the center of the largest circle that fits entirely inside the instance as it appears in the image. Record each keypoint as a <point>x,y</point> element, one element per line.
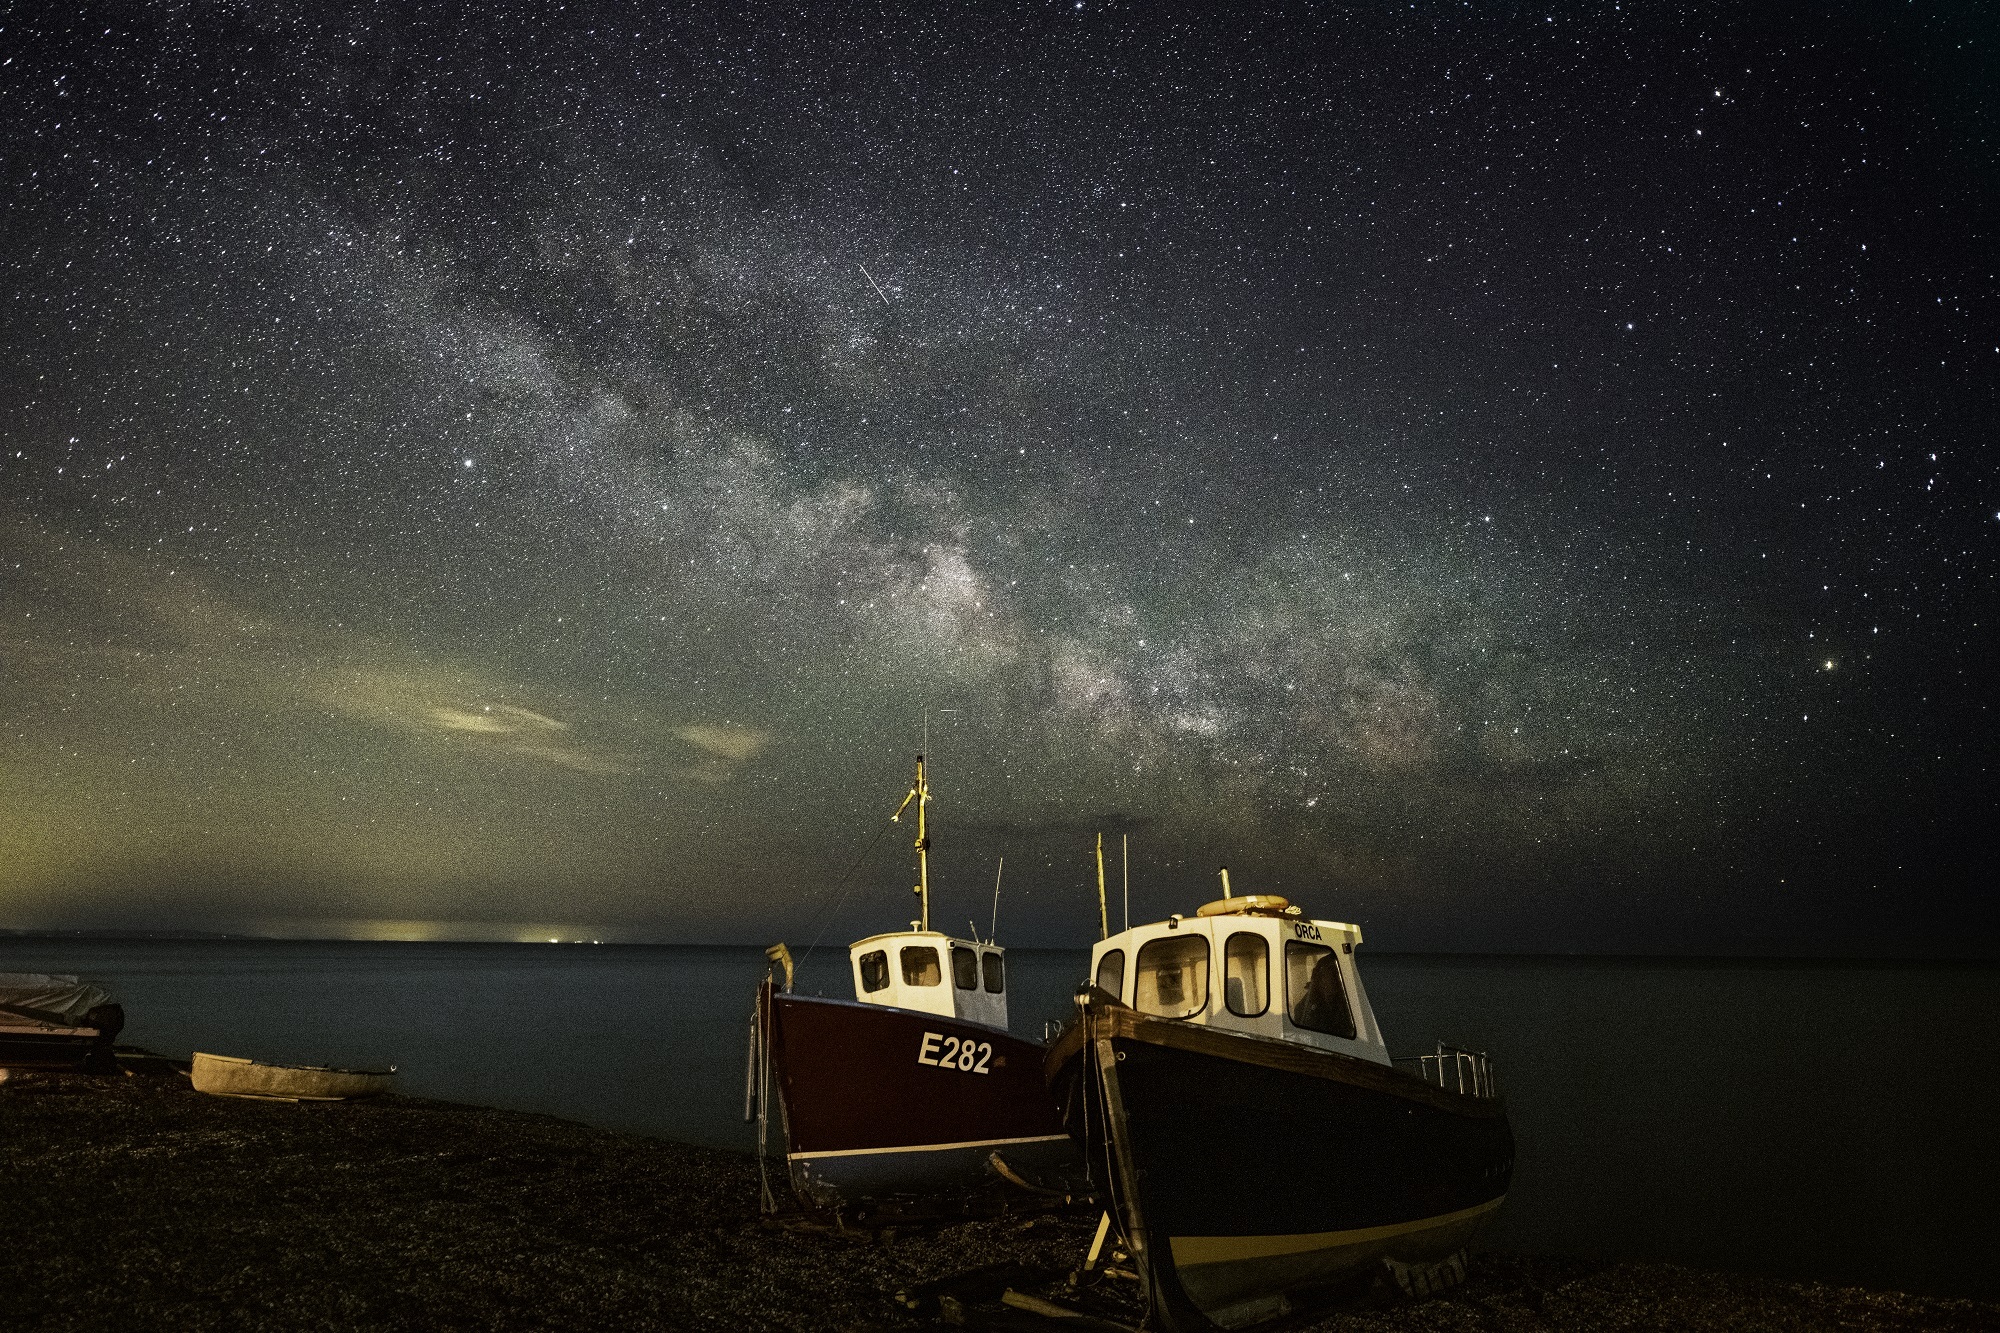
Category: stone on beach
<point>136,1203</point>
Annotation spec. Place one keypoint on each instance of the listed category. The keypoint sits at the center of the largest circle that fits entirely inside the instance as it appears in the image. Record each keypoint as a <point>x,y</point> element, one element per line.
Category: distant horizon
<point>525,937</point>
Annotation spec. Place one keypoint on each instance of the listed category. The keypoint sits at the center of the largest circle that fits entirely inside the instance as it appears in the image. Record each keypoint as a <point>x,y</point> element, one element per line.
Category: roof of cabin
<point>1347,930</point>
<point>926,935</point>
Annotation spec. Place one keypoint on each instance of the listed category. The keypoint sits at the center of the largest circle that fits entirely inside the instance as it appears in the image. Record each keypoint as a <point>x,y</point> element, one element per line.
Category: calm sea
<point>1826,1120</point>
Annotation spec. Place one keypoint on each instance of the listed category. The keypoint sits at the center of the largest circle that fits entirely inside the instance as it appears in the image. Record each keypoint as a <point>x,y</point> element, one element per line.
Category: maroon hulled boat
<point>911,1097</point>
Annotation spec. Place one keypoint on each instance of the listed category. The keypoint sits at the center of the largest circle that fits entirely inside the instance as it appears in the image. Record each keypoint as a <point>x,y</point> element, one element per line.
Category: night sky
<point>1516,478</point>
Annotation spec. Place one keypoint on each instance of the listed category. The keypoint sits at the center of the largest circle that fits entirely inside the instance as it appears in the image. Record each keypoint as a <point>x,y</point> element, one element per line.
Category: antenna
<point>993,928</point>
<point>1103,916</point>
<point>1125,870</point>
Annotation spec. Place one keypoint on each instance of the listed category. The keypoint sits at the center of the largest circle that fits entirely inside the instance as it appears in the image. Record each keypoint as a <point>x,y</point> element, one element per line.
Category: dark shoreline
<point>136,1203</point>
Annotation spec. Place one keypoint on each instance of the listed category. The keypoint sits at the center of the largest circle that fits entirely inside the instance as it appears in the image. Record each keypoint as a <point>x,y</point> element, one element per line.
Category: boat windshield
<point>920,966</point>
<point>1172,976</point>
<point>1111,972</point>
<point>1246,974</point>
<point>1313,989</point>
<point>964,968</point>
<point>874,970</point>
<point>996,975</point>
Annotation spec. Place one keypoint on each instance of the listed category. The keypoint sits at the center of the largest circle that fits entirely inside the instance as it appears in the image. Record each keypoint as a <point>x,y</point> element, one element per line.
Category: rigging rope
<point>842,885</point>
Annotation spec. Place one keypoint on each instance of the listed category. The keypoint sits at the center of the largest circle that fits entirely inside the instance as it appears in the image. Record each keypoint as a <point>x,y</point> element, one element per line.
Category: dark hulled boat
<point>57,1022</point>
<point>912,1097</point>
<point>1259,1150</point>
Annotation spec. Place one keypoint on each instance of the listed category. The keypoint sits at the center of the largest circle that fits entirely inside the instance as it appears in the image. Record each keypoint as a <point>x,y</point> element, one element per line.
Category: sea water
<point>1823,1120</point>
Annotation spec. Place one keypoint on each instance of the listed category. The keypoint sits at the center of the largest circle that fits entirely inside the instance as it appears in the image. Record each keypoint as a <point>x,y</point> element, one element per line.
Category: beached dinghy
<point>1259,1149</point>
<point>57,1022</point>
<point>234,1076</point>
<point>912,1097</point>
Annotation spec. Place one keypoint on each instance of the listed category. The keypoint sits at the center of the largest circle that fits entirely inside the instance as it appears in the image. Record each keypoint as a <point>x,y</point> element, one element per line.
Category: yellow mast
<point>1103,913</point>
<point>921,794</point>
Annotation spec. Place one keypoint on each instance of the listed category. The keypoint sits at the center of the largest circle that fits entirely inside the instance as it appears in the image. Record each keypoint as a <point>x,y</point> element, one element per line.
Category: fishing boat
<point>55,1021</point>
<point>236,1076</point>
<point>912,1098</point>
<point>1259,1150</point>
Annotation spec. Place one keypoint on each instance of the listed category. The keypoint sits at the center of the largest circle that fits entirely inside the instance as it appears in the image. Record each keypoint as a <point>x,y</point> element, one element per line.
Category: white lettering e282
<point>959,1053</point>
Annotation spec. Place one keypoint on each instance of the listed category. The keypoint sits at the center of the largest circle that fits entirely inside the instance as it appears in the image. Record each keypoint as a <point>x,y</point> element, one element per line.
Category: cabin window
<point>1246,974</point>
<point>920,966</point>
<point>1172,976</point>
<point>996,976</point>
<point>964,968</point>
<point>1111,972</point>
<point>1314,990</point>
<point>874,971</point>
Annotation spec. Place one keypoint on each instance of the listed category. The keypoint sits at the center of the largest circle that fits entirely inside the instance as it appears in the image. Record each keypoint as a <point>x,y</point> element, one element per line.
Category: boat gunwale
<point>1113,1018</point>
<point>899,1009</point>
<point>301,1069</point>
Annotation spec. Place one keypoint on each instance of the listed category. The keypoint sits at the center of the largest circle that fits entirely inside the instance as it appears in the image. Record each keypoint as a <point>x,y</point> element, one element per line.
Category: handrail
<point>1453,1068</point>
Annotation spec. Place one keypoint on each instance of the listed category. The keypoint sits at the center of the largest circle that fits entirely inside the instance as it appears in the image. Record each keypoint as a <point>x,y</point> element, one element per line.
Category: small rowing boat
<point>234,1076</point>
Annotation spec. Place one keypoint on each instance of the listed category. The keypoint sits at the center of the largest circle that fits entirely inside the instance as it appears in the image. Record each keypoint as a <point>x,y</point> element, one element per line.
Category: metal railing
<point>1455,1070</point>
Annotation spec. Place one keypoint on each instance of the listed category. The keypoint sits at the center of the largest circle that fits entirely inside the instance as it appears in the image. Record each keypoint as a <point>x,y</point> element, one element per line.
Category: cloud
<point>726,740</point>
<point>454,719</point>
<point>163,646</point>
<point>459,708</point>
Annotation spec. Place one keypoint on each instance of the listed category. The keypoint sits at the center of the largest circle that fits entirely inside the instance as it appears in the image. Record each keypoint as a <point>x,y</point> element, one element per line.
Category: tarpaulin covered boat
<point>56,1021</point>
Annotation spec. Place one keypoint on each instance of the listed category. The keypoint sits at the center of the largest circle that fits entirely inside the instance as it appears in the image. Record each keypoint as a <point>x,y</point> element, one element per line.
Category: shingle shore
<point>136,1203</point>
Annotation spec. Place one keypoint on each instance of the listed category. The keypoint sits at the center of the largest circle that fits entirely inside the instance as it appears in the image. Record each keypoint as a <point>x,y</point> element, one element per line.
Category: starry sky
<point>1519,478</point>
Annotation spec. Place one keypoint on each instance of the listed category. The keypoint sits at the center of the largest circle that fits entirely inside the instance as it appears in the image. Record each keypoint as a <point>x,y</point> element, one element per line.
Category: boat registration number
<point>954,1053</point>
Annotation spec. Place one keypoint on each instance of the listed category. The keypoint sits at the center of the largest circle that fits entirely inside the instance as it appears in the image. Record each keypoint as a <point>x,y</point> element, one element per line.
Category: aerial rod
<point>993,926</point>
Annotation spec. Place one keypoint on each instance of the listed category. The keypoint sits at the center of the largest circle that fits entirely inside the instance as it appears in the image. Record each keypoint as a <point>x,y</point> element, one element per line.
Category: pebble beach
<point>134,1202</point>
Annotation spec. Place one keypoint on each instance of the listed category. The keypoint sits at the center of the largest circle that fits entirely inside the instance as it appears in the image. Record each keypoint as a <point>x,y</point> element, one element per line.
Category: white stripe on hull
<point>922,1147</point>
<point>1241,1279</point>
<point>1189,1250</point>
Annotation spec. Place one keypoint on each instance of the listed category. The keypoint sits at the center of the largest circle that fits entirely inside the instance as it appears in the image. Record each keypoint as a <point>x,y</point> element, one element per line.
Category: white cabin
<point>929,971</point>
<point>1250,964</point>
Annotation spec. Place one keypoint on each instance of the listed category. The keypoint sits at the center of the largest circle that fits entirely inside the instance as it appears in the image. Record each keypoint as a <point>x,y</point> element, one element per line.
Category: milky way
<point>1516,481</point>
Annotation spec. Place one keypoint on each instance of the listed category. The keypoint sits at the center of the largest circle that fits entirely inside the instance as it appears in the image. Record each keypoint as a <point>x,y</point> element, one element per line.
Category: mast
<point>923,845</point>
<point>1103,913</point>
<point>920,792</point>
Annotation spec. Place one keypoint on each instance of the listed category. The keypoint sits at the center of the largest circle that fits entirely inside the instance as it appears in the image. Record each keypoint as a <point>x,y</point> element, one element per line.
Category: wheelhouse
<point>932,973</point>
<point>1252,964</point>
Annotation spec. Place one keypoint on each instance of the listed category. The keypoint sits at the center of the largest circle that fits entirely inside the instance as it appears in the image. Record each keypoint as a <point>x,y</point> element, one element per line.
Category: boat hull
<point>36,1046</point>
<point>234,1076</point>
<point>872,1104</point>
<point>42,1038</point>
<point>1262,1176</point>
